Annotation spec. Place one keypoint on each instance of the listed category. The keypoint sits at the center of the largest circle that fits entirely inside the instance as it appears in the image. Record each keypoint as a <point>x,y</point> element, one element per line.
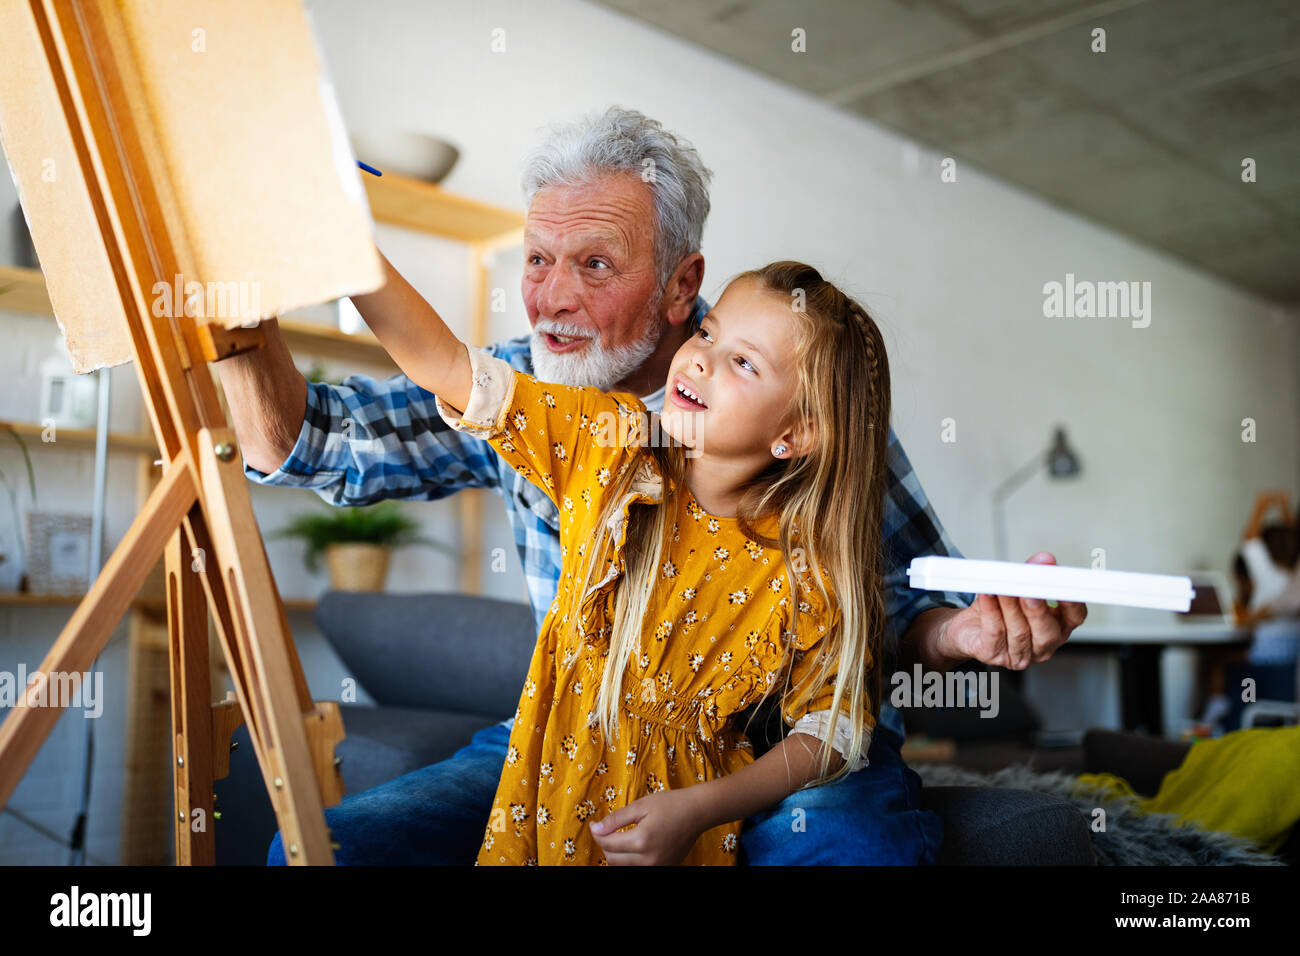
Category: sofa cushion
<point>986,826</point>
<point>385,742</point>
<point>427,651</point>
<point>1141,760</point>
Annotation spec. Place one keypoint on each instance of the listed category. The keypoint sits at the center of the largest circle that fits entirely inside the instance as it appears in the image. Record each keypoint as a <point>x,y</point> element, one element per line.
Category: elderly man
<point>612,273</point>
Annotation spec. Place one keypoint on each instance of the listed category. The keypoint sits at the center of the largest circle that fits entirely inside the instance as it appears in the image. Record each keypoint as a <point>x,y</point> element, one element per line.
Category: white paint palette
<point>1052,582</point>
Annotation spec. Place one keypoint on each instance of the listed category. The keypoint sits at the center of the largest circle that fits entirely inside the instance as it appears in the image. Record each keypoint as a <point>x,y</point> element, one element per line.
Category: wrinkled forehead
<point>610,210</point>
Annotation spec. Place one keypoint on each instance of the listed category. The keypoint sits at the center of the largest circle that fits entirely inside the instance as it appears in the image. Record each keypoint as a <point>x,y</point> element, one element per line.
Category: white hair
<point>625,140</point>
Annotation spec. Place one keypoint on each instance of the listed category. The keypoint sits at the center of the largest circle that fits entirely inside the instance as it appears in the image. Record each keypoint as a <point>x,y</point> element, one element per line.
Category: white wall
<point>952,272</point>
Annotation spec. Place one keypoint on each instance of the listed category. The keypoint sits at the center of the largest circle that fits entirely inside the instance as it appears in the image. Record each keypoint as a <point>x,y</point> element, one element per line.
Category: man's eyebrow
<point>605,240</point>
<point>710,314</point>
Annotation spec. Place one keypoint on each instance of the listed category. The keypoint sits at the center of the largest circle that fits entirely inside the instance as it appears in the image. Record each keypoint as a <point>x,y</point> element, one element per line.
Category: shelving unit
<point>72,600</point>
<point>396,200</point>
<point>414,204</point>
<point>81,438</point>
<point>23,290</point>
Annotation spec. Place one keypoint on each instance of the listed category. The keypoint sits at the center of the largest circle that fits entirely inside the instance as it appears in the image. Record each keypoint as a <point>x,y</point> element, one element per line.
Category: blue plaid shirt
<point>370,439</point>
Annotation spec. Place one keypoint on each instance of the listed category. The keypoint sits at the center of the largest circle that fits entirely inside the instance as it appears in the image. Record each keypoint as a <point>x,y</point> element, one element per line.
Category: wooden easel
<point>200,514</point>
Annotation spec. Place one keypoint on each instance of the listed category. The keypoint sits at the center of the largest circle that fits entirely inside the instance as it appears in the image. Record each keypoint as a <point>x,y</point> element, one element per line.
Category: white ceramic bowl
<point>417,155</point>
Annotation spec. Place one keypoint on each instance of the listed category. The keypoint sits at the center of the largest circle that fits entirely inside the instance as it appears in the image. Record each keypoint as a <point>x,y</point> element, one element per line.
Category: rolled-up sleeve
<point>309,462</point>
<point>489,398</point>
<point>818,724</point>
<point>811,713</point>
<point>551,434</point>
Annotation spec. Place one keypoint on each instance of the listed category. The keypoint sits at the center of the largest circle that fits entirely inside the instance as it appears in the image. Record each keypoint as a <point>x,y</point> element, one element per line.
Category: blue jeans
<point>437,815</point>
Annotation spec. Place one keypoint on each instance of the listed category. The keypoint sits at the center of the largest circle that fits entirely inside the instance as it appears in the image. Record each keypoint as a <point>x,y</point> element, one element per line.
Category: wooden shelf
<point>54,600</point>
<point>81,437</point>
<point>23,290</point>
<point>413,204</point>
<point>334,344</point>
<point>396,199</point>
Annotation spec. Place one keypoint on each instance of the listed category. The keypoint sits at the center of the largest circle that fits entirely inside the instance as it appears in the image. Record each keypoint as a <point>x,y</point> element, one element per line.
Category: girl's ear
<point>800,439</point>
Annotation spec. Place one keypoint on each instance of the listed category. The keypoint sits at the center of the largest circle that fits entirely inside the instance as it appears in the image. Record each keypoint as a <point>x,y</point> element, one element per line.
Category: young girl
<point>687,590</point>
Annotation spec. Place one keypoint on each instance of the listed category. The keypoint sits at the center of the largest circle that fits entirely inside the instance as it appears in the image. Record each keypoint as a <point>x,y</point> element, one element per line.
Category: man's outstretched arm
<point>362,441</point>
<point>942,629</point>
<point>267,394</point>
<point>997,630</point>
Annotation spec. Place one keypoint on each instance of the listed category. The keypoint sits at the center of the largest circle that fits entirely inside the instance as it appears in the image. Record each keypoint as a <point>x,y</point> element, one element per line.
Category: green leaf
<point>383,524</point>
<point>22,446</point>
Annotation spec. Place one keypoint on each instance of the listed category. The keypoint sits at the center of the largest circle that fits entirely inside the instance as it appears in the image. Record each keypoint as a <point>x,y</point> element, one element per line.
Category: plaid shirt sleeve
<point>369,439</point>
<point>911,529</point>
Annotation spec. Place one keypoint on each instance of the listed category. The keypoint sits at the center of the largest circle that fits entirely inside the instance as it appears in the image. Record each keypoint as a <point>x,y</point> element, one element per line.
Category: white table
<point>1176,644</point>
<point>1173,634</point>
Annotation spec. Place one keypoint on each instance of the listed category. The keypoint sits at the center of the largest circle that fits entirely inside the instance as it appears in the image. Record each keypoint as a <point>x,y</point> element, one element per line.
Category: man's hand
<point>666,828</point>
<point>1011,632</point>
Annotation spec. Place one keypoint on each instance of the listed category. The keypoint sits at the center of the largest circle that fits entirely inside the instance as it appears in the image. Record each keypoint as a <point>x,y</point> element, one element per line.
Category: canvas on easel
<point>184,172</point>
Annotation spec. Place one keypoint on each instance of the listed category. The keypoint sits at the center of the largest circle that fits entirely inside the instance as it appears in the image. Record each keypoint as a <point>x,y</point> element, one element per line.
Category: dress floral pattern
<point>721,607</point>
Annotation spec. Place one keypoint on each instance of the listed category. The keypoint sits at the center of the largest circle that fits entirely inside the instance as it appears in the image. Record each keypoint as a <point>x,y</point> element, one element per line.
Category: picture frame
<point>58,552</point>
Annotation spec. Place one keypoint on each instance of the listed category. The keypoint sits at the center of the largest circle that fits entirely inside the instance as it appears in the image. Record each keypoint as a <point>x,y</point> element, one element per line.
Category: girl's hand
<point>667,826</point>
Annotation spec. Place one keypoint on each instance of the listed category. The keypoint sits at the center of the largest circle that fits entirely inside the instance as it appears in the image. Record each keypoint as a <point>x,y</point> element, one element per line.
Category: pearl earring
<point>780,450</point>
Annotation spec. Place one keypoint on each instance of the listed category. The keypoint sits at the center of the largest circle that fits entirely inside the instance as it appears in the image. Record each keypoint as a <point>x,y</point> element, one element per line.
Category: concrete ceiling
<point>1147,138</point>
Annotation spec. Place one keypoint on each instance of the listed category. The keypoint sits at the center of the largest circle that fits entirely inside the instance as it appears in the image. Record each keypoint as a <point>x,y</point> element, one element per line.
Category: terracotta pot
<point>357,567</point>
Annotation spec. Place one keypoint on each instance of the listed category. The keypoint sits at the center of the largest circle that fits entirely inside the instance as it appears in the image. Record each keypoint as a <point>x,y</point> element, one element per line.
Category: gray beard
<point>594,365</point>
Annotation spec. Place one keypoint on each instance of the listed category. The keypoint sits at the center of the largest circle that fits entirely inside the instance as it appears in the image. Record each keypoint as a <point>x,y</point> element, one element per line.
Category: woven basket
<point>357,567</point>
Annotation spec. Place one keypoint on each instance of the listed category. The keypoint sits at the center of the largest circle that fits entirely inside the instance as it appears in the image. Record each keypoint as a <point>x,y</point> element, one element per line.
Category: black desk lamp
<point>1061,462</point>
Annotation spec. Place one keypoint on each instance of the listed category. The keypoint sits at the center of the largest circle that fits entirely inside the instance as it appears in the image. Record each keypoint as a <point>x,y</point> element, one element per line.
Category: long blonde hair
<point>830,504</point>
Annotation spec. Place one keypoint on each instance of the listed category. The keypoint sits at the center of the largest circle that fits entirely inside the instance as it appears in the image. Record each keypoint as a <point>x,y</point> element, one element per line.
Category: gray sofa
<point>442,666</point>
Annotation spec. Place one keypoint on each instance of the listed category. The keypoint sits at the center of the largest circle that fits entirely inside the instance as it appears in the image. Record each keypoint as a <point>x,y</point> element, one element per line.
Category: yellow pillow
<point>1246,782</point>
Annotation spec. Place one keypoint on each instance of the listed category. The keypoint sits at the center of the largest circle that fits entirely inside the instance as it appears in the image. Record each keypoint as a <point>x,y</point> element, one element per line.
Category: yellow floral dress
<point>721,607</point>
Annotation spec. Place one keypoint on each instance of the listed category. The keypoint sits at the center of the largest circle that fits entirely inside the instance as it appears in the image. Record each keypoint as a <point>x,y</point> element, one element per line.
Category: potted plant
<point>356,542</point>
<point>11,565</point>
